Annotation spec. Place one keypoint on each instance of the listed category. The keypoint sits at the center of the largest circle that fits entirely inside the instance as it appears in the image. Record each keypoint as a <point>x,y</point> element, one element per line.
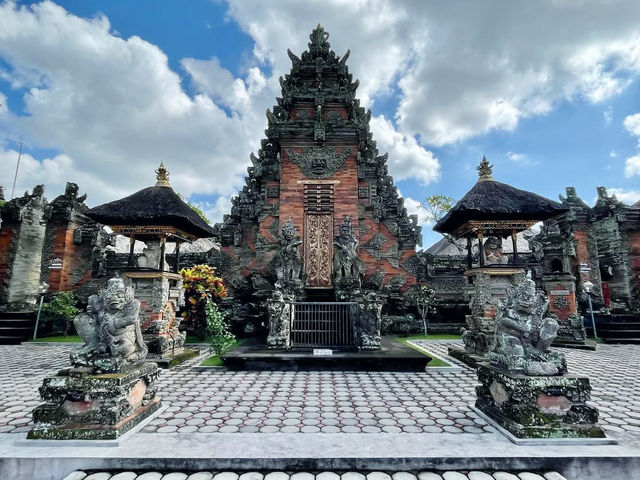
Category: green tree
<point>437,206</point>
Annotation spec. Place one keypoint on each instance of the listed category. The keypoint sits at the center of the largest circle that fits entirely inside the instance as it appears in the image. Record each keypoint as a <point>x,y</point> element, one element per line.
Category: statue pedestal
<point>160,295</point>
<point>560,287</point>
<point>83,406</point>
<point>538,406</point>
<point>486,285</point>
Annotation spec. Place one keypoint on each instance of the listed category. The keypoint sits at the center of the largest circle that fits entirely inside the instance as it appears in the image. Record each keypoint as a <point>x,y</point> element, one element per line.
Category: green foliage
<point>436,206</point>
<point>222,340</point>
<point>2,203</point>
<point>196,208</point>
<point>59,339</point>
<point>60,311</point>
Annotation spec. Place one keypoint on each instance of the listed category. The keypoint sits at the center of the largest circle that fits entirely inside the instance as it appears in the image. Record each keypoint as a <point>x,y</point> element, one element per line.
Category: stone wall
<point>21,240</point>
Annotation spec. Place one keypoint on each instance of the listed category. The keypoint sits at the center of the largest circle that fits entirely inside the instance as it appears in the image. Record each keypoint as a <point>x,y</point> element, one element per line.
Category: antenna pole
<point>15,177</point>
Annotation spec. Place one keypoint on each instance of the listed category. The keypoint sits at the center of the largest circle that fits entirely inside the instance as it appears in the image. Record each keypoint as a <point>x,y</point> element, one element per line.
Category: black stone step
<point>25,315</point>
<point>17,323</point>
<point>635,341</point>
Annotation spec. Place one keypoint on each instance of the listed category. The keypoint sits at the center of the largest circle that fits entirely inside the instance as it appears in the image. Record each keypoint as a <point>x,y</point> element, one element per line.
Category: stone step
<point>326,475</point>
<point>635,341</point>
<point>22,314</point>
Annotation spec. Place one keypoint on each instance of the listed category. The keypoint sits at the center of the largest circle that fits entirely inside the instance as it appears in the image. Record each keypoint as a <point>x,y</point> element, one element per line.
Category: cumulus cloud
<point>632,166</point>
<point>114,107</point>
<point>407,159</point>
<point>627,196</point>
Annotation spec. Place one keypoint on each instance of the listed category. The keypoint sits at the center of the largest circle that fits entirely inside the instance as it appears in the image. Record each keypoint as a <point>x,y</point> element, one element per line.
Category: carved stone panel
<point>319,162</point>
<point>318,250</point>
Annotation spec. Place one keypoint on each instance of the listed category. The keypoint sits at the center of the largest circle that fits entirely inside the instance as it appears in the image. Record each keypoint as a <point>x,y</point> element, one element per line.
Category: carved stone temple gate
<point>319,218</point>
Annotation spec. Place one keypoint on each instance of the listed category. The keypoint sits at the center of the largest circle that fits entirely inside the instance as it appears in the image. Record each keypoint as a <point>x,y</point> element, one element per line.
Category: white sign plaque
<point>322,351</point>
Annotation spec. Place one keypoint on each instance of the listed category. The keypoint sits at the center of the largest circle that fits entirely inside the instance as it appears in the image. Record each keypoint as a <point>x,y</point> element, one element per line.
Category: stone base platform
<point>470,359</point>
<point>83,406</point>
<point>318,452</point>
<point>393,356</point>
<point>538,407</point>
<point>170,360</point>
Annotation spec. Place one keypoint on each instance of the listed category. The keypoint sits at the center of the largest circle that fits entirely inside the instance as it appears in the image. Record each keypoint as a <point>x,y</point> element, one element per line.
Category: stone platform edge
<point>541,441</point>
<point>307,451</point>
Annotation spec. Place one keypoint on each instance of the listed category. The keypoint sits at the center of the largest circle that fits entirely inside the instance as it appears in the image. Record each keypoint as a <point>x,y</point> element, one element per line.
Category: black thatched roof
<point>158,205</point>
<point>491,200</point>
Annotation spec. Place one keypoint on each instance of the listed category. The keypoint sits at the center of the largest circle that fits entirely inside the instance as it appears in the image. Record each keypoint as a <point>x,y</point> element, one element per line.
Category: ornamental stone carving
<point>369,322</point>
<point>319,162</point>
<point>523,336</point>
<point>280,310</point>
<point>111,331</point>
<point>288,262</point>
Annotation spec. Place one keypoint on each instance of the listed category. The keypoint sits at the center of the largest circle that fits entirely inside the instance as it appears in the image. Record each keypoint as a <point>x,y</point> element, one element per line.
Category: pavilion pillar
<point>514,240</point>
<point>132,244</point>
<point>177,257</point>
<point>481,247</point>
<point>163,248</point>
<point>469,255</point>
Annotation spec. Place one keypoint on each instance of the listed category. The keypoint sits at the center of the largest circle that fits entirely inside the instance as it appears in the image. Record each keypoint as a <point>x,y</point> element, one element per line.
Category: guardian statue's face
<point>115,295</point>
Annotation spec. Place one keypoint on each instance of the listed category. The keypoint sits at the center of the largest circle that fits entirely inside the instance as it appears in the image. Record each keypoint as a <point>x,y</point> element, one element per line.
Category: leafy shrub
<point>202,288</point>
<point>59,312</point>
<point>222,340</point>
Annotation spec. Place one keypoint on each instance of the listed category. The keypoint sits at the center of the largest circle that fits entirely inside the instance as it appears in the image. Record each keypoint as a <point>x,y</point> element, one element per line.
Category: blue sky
<point>101,91</point>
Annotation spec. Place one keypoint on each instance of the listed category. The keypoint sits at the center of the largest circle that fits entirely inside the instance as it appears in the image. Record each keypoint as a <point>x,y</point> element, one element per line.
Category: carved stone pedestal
<point>538,407</point>
<point>160,295</point>
<point>560,287</point>
<point>280,317</point>
<point>85,406</point>
<point>487,285</point>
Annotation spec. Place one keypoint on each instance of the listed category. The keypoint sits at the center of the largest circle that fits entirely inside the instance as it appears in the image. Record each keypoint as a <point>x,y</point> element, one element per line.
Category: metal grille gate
<point>323,324</point>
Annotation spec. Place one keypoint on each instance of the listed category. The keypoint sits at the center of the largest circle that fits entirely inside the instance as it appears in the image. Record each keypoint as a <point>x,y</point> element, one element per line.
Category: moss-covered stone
<point>540,406</point>
<point>80,405</point>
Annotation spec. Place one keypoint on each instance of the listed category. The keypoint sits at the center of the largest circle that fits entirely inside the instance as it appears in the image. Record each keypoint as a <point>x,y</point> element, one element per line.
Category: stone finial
<point>162,176</point>
<point>1,193</point>
<point>319,44</point>
<point>571,192</point>
<point>485,169</point>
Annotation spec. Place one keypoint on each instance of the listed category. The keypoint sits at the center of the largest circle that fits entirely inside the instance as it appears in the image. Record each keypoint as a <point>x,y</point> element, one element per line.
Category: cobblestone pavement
<point>216,400</point>
<point>451,475</point>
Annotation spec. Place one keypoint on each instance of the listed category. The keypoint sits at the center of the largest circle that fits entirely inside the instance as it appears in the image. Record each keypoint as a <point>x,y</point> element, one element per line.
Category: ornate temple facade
<point>319,190</point>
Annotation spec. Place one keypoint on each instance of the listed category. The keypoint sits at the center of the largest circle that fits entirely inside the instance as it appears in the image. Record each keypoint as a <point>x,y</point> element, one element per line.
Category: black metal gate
<point>323,324</point>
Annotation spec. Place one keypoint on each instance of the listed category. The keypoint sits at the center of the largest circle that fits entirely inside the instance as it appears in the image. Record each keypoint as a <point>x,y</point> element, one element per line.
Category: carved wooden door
<point>318,250</point>
<point>318,234</point>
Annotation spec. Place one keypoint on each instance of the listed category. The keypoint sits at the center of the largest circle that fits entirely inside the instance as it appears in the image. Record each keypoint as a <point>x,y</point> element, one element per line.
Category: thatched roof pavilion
<point>495,209</point>
<point>153,213</point>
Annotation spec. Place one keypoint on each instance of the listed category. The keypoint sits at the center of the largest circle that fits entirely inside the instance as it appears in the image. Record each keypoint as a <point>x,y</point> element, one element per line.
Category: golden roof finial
<point>484,170</point>
<point>162,176</point>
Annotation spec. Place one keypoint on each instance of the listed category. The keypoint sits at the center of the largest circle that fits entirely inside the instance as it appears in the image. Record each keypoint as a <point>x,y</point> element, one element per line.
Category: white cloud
<point>632,166</point>
<point>516,157</point>
<point>627,196</point>
<point>613,154</point>
<point>115,108</point>
<point>407,159</point>
<point>632,124</point>
<point>608,115</point>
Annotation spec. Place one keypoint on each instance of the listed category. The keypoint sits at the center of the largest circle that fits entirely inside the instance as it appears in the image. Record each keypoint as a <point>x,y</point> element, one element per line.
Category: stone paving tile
<point>216,400</point>
<point>448,475</point>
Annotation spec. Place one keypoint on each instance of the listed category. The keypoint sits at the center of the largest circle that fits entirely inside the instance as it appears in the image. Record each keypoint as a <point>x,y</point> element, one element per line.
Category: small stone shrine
<point>524,386</point>
<point>489,212</point>
<point>156,215</point>
<point>109,389</point>
<point>319,220</point>
<point>556,251</point>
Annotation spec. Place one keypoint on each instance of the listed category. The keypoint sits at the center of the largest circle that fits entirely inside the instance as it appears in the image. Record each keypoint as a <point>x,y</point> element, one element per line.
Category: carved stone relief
<point>319,162</point>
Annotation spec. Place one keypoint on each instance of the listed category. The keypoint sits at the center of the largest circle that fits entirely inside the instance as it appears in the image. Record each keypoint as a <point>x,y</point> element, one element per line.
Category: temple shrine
<point>319,220</point>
